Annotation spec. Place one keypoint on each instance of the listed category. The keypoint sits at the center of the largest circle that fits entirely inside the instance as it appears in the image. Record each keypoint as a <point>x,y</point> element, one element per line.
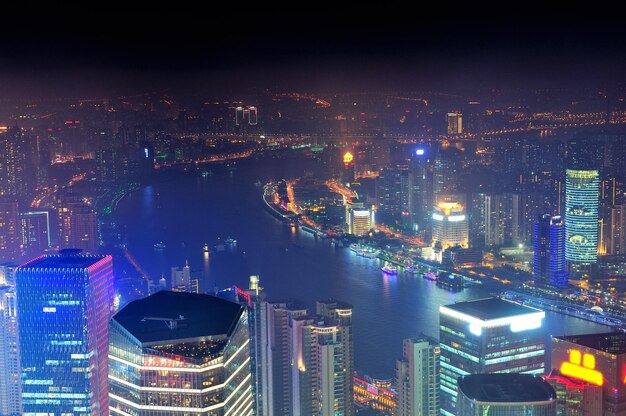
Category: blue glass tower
<point>64,305</point>
<point>581,216</point>
<point>549,265</point>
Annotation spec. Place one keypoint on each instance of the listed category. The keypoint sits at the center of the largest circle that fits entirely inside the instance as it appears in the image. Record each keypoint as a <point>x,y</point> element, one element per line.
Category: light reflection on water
<point>292,264</point>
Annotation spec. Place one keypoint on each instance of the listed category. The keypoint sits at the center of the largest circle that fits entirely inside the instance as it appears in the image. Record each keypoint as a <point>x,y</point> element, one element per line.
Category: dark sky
<point>321,48</point>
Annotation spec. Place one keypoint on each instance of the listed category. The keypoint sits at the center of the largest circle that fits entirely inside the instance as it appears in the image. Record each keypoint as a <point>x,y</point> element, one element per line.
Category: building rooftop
<point>491,308</point>
<point>168,316</point>
<point>505,388</point>
<point>610,342</point>
<point>66,259</point>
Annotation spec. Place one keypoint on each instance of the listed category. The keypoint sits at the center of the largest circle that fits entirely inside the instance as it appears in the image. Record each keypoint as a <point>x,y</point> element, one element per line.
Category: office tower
<point>77,223</point>
<point>279,315</point>
<point>10,374</point>
<point>34,232</point>
<point>420,189</point>
<point>350,204</point>
<point>348,168</point>
<point>361,221</point>
<point>417,378</point>
<point>254,299</point>
<point>176,353</point>
<point>321,349</point>
<point>253,116</point>
<point>393,196</point>
<point>455,123</point>
<point>449,221</point>
<point>596,359</point>
<point>64,303</point>
<point>503,219</point>
<point>575,397</point>
<point>505,394</point>
<point>487,336</point>
<point>581,218</point>
<point>549,266</point>
<point>340,315</point>
<point>239,116</point>
<point>9,229</point>
<point>445,172</point>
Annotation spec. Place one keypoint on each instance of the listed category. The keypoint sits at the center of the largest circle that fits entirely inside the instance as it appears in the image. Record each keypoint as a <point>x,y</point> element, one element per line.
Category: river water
<point>188,210</point>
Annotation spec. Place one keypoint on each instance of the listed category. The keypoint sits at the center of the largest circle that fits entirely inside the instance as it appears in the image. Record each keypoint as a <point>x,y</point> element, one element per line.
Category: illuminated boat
<point>450,281</point>
<point>160,246</point>
<point>206,248</point>
<point>430,275</point>
<point>410,268</point>
<point>231,242</point>
<point>389,269</point>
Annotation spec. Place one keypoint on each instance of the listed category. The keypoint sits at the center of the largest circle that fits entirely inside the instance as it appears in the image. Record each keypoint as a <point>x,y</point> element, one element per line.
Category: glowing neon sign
<point>586,371</point>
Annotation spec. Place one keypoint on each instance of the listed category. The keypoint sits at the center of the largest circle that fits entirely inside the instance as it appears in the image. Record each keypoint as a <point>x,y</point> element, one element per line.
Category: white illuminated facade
<point>487,336</point>
<point>360,221</point>
<point>450,226</point>
<point>10,374</point>
<point>172,362</point>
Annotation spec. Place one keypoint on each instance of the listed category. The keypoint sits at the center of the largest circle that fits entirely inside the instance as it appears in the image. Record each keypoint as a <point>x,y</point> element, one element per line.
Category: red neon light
<point>586,371</point>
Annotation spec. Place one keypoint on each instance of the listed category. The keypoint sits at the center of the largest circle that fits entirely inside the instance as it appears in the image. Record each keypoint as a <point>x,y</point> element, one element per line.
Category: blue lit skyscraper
<point>64,305</point>
<point>581,217</point>
<point>549,262</point>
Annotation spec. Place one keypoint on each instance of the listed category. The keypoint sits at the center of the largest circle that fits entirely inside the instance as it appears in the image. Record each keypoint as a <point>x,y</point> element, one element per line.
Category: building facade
<point>417,378</point>
<point>549,266</point>
<point>10,374</point>
<point>581,216</point>
<point>505,395</point>
<point>176,353</point>
<point>487,336</point>
<point>64,304</point>
<point>450,226</point>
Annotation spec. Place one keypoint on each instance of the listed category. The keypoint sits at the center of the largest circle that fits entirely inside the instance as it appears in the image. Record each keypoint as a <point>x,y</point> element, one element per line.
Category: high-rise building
<point>617,233</point>
<point>15,178</point>
<point>239,116</point>
<point>9,229</point>
<point>361,221</point>
<point>253,116</point>
<point>596,359</point>
<point>10,374</point>
<point>177,353</point>
<point>449,221</point>
<point>505,394</point>
<point>392,192</point>
<point>279,315</point>
<point>181,278</point>
<point>34,232</point>
<point>575,397</point>
<point>502,219</point>
<point>77,223</point>
<point>455,123</point>
<point>417,378</point>
<point>581,217</point>
<point>420,189</point>
<point>64,304</point>
<point>549,266</point>
<point>321,374</point>
<point>489,335</point>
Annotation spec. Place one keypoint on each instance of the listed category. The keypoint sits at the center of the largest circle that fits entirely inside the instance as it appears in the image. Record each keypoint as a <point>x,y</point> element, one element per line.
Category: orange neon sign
<point>586,371</point>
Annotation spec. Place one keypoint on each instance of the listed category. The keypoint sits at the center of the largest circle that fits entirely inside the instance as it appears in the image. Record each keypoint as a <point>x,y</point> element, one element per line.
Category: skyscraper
<point>596,359</point>
<point>420,189</point>
<point>487,336</point>
<point>10,374</point>
<point>177,353</point>
<point>321,374</point>
<point>505,394</point>
<point>253,116</point>
<point>549,266</point>
<point>450,226</point>
<point>581,218</point>
<point>455,123</point>
<point>77,223</point>
<point>361,221</point>
<point>9,229</point>
<point>279,315</point>
<point>575,397</point>
<point>64,304</point>
<point>502,220</point>
<point>34,232</point>
<point>417,378</point>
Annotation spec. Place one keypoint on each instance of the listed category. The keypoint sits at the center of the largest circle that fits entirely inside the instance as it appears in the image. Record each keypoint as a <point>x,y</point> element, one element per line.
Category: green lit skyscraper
<point>581,217</point>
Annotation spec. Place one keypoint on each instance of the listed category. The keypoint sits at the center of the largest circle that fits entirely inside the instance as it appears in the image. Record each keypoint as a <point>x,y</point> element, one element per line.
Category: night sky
<point>322,48</point>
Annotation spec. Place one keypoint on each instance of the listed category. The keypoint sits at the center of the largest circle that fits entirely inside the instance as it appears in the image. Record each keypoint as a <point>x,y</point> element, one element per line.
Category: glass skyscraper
<point>10,374</point>
<point>177,353</point>
<point>505,395</point>
<point>64,305</point>
<point>549,251</point>
<point>582,189</point>
<point>487,336</point>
